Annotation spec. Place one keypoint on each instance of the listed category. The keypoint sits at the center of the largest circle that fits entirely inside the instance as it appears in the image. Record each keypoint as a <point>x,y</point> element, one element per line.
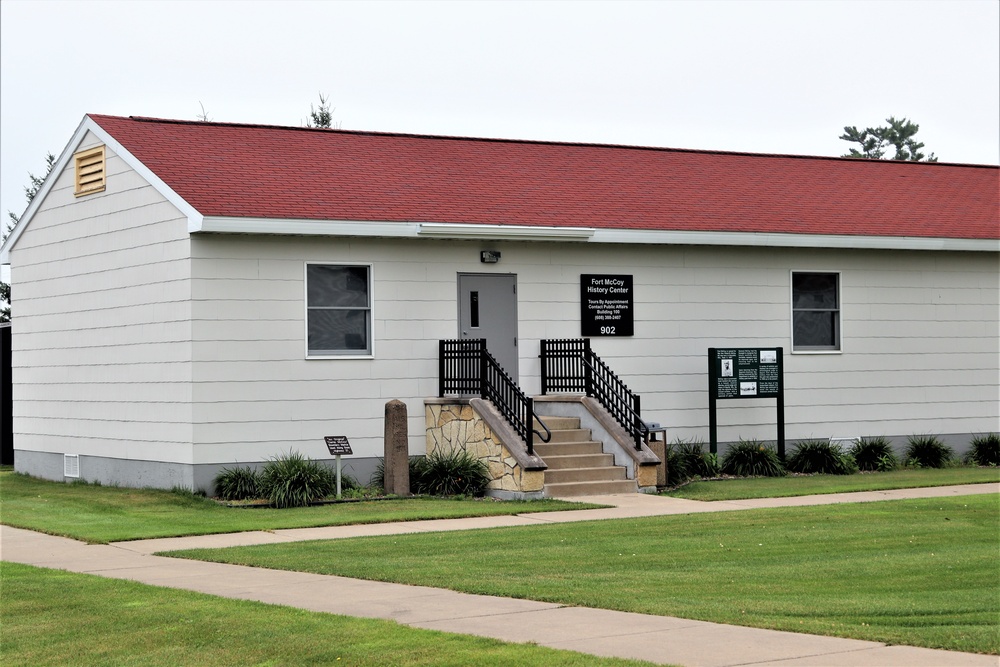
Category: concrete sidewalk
<point>595,631</point>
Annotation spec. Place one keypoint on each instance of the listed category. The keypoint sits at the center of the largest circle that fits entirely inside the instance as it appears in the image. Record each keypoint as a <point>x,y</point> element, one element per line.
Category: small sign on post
<point>338,444</point>
<point>745,373</point>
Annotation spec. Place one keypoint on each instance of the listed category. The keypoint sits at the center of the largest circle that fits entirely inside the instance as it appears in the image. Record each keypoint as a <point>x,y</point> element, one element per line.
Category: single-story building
<point>189,296</point>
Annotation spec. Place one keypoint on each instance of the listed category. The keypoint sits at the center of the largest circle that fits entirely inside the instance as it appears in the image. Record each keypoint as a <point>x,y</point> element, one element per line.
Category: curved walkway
<point>599,632</point>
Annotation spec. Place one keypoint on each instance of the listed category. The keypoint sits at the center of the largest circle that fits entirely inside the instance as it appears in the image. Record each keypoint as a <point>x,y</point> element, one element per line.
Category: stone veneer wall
<point>453,426</point>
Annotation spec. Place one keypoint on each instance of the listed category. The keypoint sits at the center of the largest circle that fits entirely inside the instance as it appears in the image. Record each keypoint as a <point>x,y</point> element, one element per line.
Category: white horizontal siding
<point>101,322</point>
<point>920,346</point>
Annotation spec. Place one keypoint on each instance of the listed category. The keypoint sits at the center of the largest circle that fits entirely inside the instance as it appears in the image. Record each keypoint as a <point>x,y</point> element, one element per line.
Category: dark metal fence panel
<point>6,402</point>
<point>467,367</point>
<point>459,369</point>
<point>569,365</point>
<point>563,369</point>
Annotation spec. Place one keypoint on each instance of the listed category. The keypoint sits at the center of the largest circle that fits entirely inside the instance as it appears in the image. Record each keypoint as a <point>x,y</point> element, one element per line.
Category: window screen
<point>338,305</point>
<point>815,311</point>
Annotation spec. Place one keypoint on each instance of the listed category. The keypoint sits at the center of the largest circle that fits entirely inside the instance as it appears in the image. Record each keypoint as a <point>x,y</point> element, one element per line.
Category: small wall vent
<point>71,465</point>
<point>90,172</point>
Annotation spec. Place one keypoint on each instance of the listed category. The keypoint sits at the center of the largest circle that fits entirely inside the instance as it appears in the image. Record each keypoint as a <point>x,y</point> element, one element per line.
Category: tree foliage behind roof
<point>29,192</point>
<point>322,117</point>
<point>875,141</point>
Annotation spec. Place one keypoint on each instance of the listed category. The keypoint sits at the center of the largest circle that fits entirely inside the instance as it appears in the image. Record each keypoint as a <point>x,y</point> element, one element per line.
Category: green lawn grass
<point>101,514</point>
<point>52,617</point>
<point>778,487</point>
<point>918,572</point>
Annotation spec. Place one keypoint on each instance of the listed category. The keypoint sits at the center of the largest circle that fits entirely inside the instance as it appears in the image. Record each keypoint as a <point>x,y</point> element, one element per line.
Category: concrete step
<point>557,423</point>
<point>579,461</point>
<point>563,490</point>
<point>566,448</point>
<point>570,435</point>
<point>566,475</point>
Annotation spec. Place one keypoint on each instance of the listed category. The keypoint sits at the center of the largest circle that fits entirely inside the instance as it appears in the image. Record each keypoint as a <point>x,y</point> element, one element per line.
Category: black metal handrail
<point>569,365</point>
<point>465,366</point>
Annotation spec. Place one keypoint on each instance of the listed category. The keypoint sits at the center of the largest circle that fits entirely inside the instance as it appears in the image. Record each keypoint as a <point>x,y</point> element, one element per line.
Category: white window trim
<point>791,312</point>
<point>305,310</point>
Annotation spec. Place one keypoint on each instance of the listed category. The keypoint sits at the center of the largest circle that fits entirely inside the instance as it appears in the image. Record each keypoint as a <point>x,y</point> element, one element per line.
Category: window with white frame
<point>815,311</point>
<point>338,310</point>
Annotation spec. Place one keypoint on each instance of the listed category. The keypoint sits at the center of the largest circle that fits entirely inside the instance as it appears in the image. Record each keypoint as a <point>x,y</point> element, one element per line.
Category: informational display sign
<point>338,445</point>
<point>606,305</point>
<point>745,373</point>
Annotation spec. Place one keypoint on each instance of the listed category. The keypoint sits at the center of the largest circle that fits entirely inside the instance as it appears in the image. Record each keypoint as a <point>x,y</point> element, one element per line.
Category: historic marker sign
<point>746,373</point>
<point>337,444</point>
<point>606,305</point>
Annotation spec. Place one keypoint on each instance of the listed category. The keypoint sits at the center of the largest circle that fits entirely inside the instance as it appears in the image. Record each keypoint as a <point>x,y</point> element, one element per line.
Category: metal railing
<point>569,365</point>
<point>465,366</point>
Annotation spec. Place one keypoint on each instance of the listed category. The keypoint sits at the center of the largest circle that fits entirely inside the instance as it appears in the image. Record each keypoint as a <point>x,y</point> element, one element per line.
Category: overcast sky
<point>767,77</point>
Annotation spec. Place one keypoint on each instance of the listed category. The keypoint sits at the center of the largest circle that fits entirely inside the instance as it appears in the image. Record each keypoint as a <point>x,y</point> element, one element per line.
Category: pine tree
<point>322,117</point>
<point>875,141</point>
<point>29,192</point>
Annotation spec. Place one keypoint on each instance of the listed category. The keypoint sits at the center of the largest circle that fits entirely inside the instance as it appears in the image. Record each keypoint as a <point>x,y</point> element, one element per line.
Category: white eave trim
<point>765,240</point>
<point>285,226</point>
<point>356,228</point>
<point>506,232</point>
<point>374,228</point>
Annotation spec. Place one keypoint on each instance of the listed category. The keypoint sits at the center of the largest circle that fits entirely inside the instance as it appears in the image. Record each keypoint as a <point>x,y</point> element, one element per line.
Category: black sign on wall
<point>745,373</point>
<point>606,305</point>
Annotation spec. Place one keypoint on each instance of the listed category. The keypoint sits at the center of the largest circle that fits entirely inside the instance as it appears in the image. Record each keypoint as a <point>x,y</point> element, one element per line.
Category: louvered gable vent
<point>90,173</point>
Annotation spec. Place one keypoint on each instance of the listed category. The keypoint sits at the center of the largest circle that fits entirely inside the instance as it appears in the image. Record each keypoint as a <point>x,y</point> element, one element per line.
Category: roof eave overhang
<point>455,231</point>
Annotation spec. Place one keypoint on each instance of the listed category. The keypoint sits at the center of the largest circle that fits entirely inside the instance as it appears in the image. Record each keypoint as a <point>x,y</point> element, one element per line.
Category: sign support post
<point>338,444</point>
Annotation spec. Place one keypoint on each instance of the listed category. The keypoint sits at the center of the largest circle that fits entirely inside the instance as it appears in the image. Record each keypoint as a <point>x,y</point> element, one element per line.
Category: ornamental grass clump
<point>292,480</point>
<point>687,460</point>
<point>677,468</point>
<point>874,454</point>
<point>926,451</point>
<point>416,466</point>
<point>697,461</point>
<point>238,484</point>
<point>450,474</point>
<point>820,457</point>
<point>984,450</point>
<point>752,458</point>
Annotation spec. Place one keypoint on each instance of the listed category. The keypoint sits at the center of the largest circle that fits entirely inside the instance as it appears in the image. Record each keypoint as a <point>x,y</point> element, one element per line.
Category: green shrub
<point>697,461</point>
<point>874,454</point>
<point>752,458</point>
<point>984,450</point>
<point>820,457</point>
<point>926,451</point>
<point>448,474</point>
<point>292,480</point>
<point>416,466</point>
<point>677,466</point>
<point>687,459</point>
<point>238,484</point>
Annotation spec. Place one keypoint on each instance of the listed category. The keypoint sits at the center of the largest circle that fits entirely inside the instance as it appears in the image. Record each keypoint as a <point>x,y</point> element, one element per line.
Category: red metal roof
<point>258,171</point>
